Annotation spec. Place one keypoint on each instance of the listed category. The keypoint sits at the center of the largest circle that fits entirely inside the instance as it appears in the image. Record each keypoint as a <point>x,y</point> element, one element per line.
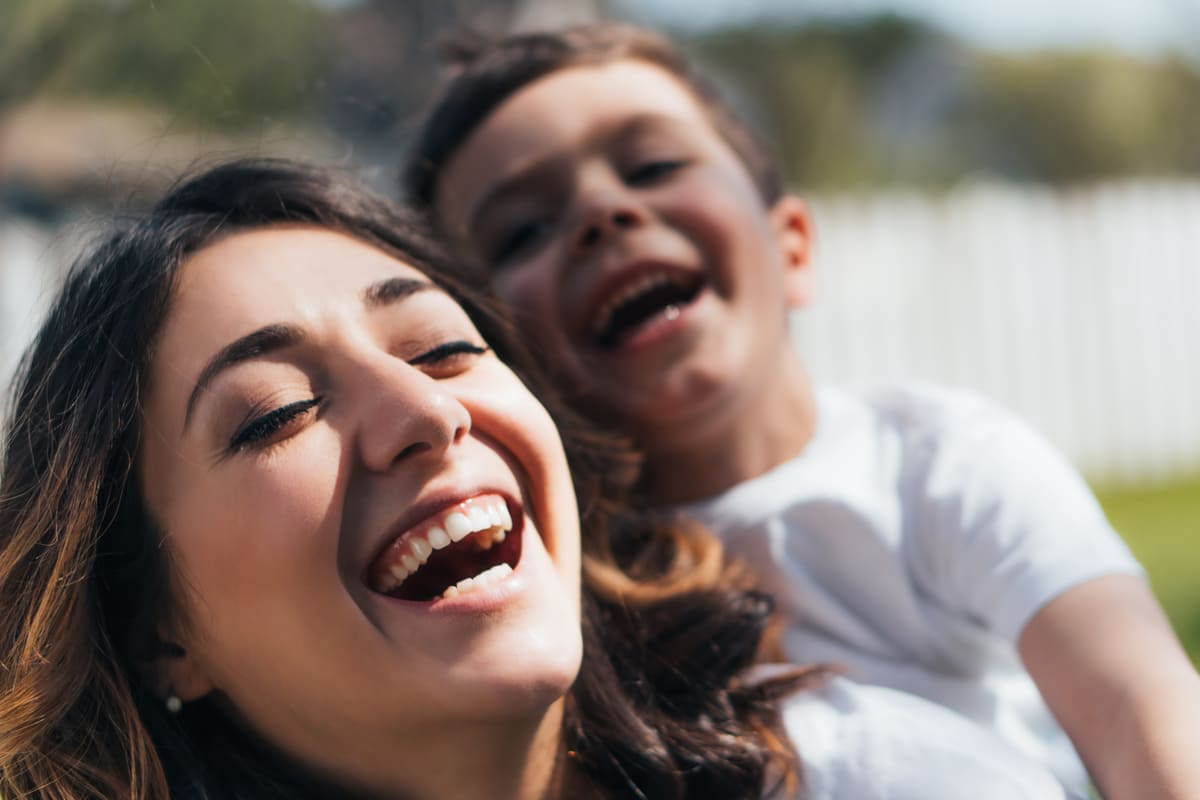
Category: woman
<point>278,519</point>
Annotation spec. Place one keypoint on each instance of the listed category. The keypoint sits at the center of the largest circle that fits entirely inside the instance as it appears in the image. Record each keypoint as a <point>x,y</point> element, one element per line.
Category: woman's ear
<point>793,232</point>
<point>177,673</point>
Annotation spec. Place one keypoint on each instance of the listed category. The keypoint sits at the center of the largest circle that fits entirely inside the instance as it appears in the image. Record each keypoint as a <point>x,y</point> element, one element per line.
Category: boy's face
<point>631,242</point>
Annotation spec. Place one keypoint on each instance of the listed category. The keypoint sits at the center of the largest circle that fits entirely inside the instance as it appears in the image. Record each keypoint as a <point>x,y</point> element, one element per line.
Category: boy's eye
<point>448,359</point>
<point>651,172</point>
<point>520,239</point>
<point>264,429</point>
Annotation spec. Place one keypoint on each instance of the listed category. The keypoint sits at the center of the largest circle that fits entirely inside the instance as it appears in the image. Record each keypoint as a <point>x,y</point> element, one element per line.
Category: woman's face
<point>370,517</point>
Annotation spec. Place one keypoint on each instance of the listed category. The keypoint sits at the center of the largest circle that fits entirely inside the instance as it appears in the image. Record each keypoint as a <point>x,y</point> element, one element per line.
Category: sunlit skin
<point>391,412</point>
<point>594,174</point>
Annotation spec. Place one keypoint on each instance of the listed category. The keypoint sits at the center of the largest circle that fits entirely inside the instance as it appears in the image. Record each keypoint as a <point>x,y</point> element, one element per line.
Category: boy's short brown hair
<point>488,71</point>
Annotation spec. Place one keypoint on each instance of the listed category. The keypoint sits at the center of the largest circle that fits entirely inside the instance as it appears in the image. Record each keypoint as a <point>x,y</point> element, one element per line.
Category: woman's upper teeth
<point>408,553</point>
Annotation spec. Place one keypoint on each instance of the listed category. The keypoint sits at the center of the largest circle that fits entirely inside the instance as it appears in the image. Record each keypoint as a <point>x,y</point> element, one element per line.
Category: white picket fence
<point>1078,309</point>
<point>30,259</point>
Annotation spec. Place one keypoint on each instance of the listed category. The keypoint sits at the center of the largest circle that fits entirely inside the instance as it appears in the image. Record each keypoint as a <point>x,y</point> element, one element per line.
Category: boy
<point>919,536</point>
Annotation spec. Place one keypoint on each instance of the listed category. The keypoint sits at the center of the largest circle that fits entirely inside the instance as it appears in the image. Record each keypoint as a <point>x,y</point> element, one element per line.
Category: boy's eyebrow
<point>623,129</point>
<point>271,338</point>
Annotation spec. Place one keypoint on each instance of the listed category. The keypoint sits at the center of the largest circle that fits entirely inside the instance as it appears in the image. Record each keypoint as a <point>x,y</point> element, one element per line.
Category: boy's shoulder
<point>872,442</point>
<point>927,440</point>
<point>921,415</point>
<point>922,406</point>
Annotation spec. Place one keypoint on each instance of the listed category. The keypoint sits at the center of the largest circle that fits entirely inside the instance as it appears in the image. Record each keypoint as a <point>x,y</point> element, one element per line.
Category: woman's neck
<point>480,760</point>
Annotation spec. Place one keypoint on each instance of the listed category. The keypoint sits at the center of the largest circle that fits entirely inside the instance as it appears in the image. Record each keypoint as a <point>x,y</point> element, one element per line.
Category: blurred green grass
<point>1161,523</point>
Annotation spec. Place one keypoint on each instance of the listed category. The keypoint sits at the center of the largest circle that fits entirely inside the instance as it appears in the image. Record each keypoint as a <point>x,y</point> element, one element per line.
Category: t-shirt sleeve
<point>869,743</point>
<point>1005,524</point>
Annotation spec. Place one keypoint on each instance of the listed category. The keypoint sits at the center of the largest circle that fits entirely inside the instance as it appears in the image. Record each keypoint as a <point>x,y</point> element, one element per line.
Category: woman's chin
<point>536,672</point>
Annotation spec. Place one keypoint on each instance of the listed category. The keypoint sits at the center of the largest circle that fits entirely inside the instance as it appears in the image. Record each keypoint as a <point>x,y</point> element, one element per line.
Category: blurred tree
<point>1079,116</point>
<point>225,63</point>
<point>847,104</point>
<point>387,58</point>
<point>888,100</point>
<point>812,90</point>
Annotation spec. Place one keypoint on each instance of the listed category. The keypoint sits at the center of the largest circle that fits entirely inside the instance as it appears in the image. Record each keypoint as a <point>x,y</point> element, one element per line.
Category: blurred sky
<point>1139,26</point>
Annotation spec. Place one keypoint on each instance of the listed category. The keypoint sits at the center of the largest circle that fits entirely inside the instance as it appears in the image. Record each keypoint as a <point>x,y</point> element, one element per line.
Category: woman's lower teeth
<point>489,575</point>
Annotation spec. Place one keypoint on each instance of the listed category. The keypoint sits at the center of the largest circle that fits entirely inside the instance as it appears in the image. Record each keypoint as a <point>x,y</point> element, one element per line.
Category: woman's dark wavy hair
<point>484,72</point>
<point>657,711</point>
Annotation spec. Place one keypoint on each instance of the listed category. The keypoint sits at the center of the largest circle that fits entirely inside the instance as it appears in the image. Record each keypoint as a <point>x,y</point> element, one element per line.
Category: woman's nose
<point>409,416</point>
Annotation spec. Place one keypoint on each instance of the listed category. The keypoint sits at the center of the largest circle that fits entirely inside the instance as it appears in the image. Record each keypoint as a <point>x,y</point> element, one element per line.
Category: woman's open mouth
<point>459,550</point>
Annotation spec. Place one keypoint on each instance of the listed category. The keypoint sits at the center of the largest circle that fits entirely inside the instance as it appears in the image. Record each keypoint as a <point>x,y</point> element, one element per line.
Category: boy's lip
<point>591,315</point>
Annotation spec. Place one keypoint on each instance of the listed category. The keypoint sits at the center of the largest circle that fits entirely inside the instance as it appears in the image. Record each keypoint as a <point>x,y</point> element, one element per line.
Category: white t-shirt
<point>859,742</point>
<point>912,539</point>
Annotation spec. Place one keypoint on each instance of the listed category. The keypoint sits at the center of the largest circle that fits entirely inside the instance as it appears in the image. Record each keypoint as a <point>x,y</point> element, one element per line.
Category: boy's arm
<point>1109,666</point>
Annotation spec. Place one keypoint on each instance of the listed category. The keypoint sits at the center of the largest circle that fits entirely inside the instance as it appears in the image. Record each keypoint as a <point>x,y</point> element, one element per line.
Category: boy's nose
<point>602,225</point>
<point>409,416</point>
<point>605,213</point>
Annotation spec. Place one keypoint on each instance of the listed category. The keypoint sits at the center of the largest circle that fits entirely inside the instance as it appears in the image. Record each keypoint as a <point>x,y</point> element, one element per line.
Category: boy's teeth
<point>645,284</point>
<point>488,576</point>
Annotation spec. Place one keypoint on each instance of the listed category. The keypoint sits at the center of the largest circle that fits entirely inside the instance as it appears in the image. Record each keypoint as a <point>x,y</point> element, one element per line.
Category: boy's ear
<point>793,232</point>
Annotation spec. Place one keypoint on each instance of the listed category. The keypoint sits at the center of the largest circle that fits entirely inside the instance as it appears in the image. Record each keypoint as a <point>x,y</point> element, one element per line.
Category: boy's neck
<point>760,432</point>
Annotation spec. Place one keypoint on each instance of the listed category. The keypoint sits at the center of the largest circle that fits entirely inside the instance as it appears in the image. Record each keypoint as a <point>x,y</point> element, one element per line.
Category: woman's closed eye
<point>448,359</point>
<point>442,361</point>
<point>267,428</point>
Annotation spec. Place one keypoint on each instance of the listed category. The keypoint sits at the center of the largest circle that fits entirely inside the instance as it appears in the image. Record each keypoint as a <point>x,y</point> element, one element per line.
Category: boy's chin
<point>648,410</point>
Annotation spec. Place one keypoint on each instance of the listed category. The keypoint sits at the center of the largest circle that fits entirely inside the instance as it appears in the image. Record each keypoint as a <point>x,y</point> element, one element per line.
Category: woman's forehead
<point>270,276</point>
<point>287,255</point>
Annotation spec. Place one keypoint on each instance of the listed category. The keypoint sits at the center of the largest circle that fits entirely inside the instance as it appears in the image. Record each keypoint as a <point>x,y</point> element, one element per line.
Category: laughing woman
<point>278,518</point>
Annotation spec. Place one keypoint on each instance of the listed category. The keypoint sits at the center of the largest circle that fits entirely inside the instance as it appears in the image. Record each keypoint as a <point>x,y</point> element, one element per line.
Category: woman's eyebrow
<point>270,338</point>
<point>253,345</point>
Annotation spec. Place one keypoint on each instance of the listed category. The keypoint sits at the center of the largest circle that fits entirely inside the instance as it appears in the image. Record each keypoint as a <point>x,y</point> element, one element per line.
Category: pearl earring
<point>174,704</point>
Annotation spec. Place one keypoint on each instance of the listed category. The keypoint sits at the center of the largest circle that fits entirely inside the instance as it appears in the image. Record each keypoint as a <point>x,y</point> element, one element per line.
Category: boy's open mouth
<point>647,297</point>
<point>460,550</point>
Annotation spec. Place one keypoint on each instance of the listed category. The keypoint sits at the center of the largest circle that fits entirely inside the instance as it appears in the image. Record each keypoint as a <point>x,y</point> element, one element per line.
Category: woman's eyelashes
<point>442,361</point>
<point>264,429</point>
<point>448,358</point>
